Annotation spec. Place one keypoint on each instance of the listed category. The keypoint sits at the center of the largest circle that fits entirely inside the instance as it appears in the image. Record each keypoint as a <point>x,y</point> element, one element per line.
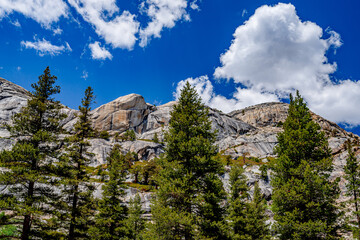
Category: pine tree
<point>256,226</point>
<point>303,196</point>
<point>135,223</point>
<point>112,212</point>
<point>30,174</point>
<point>156,138</point>
<point>238,203</point>
<point>79,206</point>
<point>352,175</point>
<point>247,220</point>
<point>187,203</point>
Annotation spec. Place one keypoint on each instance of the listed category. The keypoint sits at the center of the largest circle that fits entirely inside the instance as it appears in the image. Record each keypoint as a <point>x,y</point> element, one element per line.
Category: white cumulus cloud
<point>44,12</point>
<point>240,99</point>
<point>44,47</point>
<point>273,54</point>
<point>276,52</point>
<point>337,102</point>
<point>117,29</point>
<point>98,52</point>
<point>163,14</point>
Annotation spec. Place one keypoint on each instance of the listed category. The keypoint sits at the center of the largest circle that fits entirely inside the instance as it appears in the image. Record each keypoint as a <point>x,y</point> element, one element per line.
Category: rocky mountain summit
<point>250,132</point>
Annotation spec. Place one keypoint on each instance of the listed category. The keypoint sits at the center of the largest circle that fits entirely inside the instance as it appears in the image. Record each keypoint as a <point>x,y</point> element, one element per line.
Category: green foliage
<point>256,226</point>
<point>145,172</point>
<point>117,137</point>
<point>30,163</point>
<point>7,231</point>
<point>303,196</point>
<point>226,160</point>
<point>263,172</point>
<point>141,187</point>
<point>77,204</point>
<point>247,220</point>
<point>352,175</point>
<point>129,135</point>
<point>135,223</point>
<point>188,201</point>
<point>104,135</point>
<point>237,202</point>
<point>112,213</point>
<point>156,138</point>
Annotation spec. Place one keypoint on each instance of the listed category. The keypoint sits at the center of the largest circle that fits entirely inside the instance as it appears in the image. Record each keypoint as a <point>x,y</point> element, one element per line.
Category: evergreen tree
<point>110,220</point>
<point>30,175</point>
<point>135,223</point>
<point>256,226</point>
<point>246,219</point>
<point>79,206</point>
<point>156,138</point>
<point>303,196</point>
<point>238,203</point>
<point>187,203</point>
<point>352,175</point>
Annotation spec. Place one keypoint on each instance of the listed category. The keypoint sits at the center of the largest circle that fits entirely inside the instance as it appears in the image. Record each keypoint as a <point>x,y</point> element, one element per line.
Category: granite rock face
<point>121,114</point>
<point>274,114</point>
<point>250,132</point>
<point>12,99</point>
<point>262,115</point>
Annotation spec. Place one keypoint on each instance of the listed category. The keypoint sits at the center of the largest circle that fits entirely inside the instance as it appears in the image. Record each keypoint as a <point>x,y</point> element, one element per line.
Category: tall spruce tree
<point>29,174</point>
<point>135,223</point>
<point>256,226</point>
<point>187,203</point>
<point>78,206</point>
<point>112,212</point>
<point>247,219</point>
<point>237,203</point>
<point>303,196</point>
<point>352,175</point>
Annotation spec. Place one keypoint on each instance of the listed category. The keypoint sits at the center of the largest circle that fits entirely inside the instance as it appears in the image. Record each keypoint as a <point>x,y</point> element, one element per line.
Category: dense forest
<point>48,183</point>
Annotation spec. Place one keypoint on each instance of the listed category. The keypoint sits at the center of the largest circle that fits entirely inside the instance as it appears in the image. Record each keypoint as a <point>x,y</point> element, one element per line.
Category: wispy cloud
<point>57,31</point>
<point>44,47</point>
<point>244,12</point>
<point>85,75</point>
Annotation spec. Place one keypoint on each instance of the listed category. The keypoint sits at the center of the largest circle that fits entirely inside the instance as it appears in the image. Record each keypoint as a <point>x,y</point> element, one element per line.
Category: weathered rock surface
<point>12,99</point>
<point>262,115</point>
<point>251,131</point>
<point>121,114</point>
<point>274,114</point>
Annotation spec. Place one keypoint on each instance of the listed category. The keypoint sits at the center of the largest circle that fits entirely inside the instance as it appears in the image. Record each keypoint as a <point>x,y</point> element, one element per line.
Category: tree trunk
<point>357,213</point>
<point>27,218</point>
<point>73,214</point>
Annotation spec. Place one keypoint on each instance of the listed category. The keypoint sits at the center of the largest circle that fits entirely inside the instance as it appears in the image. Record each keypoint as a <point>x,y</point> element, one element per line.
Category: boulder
<point>121,114</point>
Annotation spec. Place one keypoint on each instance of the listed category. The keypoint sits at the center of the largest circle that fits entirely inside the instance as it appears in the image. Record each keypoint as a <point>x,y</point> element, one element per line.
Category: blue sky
<point>236,53</point>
